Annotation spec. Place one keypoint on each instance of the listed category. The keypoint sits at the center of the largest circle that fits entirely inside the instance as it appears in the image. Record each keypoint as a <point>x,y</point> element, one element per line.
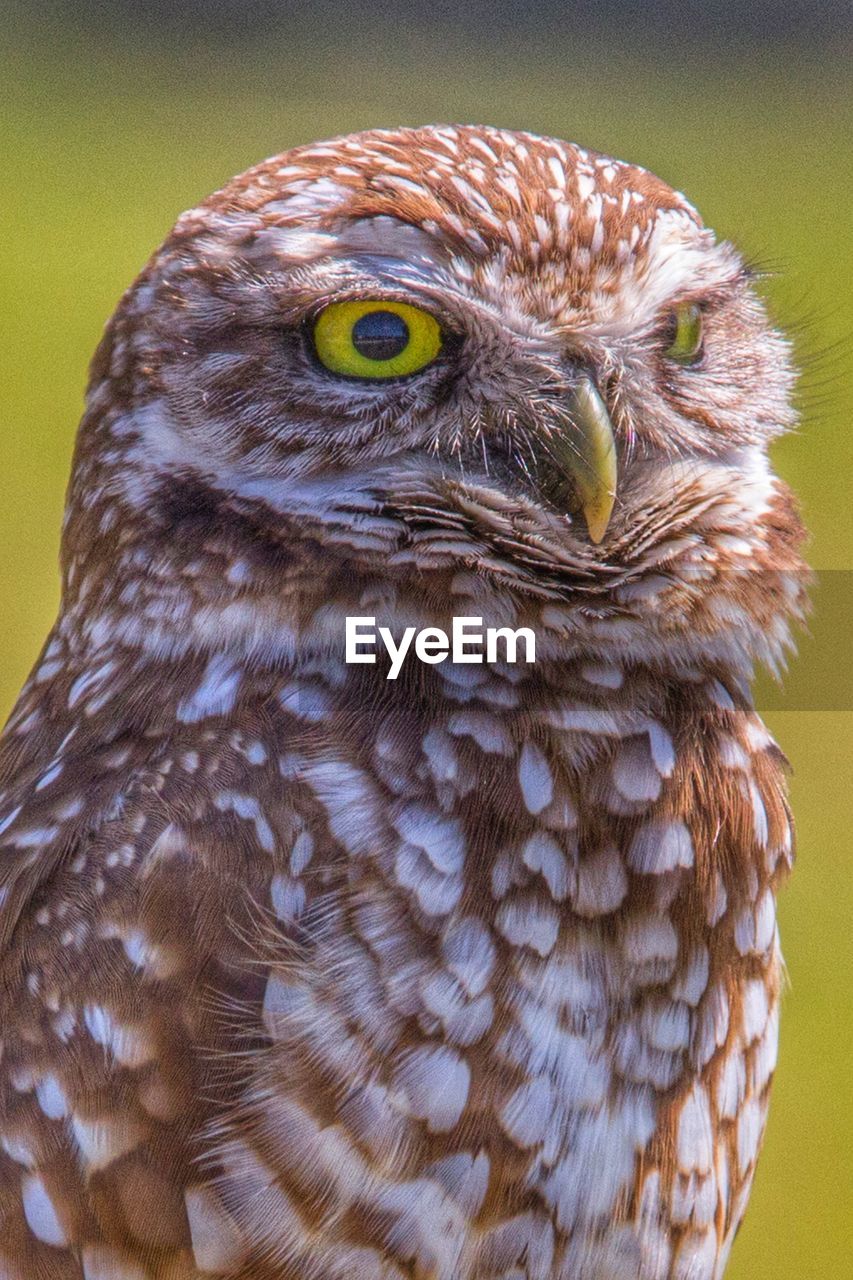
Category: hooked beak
<point>589,455</point>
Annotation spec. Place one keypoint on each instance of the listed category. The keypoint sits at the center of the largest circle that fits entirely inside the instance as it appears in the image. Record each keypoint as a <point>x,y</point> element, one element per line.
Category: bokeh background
<point>121,114</point>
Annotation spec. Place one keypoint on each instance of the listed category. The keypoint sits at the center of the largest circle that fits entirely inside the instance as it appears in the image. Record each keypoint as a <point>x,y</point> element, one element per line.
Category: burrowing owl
<point>311,974</point>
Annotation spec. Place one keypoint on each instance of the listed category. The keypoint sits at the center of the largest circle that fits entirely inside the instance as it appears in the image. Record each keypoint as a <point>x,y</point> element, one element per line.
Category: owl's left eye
<point>376,339</point>
<point>684,333</point>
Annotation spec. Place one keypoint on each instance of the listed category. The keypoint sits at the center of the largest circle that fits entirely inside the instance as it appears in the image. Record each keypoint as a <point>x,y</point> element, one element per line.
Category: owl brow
<point>708,299</point>
<point>321,285</point>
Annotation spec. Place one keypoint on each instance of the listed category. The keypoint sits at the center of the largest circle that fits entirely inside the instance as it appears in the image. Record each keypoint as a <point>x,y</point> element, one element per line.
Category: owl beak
<point>589,455</point>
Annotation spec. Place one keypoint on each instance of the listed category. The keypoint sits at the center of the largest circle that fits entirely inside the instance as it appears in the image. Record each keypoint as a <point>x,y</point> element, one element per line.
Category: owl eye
<point>376,339</point>
<point>684,334</point>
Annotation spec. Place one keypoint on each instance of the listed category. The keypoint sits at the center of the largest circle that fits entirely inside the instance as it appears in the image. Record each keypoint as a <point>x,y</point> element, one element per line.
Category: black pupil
<point>380,335</point>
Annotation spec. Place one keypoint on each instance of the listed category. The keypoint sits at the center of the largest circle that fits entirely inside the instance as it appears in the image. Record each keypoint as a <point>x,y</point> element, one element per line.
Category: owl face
<point>453,322</point>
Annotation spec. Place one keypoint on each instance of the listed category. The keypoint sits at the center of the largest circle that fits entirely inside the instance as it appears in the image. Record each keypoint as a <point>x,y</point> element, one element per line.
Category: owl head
<point>417,354</point>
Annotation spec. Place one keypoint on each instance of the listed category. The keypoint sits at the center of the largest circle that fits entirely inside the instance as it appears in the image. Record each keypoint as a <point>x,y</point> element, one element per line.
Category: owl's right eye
<point>684,334</point>
<point>376,339</point>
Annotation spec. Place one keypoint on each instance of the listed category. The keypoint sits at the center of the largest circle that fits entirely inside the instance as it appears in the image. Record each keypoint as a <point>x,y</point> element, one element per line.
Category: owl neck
<point>214,578</point>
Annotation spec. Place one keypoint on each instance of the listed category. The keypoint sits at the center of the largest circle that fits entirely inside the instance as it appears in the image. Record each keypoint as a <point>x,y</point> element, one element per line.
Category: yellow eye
<point>685,333</point>
<point>376,339</point>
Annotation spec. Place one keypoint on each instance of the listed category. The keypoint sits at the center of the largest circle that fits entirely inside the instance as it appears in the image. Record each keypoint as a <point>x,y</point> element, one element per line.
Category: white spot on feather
<point>690,985</point>
<point>756,1009</point>
<point>10,817</point>
<point>695,1140</point>
<point>526,921</point>
<point>87,681</point>
<point>661,846</point>
<point>51,1097</point>
<point>248,808</point>
<point>662,748</point>
<point>608,677</point>
<point>465,1178</point>
<point>217,1244</point>
<point>40,1212</point>
<point>535,780</point>
<point>469,953</point>
<point>542,854</point>
<point>351,801</point>
<point>749,1130</point>
<point>485,729</point>
<point>130,1045</point>
<point>526,1114</point>
<point>301,853</point>
<point>215,695</point>
<point>440,838</point>
<point>103,1140</point>
<point>585,1186</point>
<point>49,776</point>
<point>650,942</point>
<point>732,1085</point>
<point>434,1082</point>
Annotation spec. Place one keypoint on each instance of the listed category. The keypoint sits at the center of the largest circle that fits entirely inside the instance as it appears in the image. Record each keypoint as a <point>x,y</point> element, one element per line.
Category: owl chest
<point>500,985</point>
<point>537,1003</point>
<point>489,879</point>
<point>474,956</point>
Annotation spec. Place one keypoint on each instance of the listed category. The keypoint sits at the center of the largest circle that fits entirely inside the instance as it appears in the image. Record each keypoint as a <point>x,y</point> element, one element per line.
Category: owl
<point>469,974</point>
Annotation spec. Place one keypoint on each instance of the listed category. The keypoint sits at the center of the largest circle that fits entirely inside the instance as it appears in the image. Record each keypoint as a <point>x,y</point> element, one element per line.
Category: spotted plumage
<point>469,975</point>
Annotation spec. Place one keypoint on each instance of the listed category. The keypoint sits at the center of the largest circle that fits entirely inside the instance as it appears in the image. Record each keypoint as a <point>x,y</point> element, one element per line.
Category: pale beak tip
<point>597,516</point>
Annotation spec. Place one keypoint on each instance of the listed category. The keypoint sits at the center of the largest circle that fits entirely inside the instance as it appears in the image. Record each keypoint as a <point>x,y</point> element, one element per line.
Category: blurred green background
<point>115,123</point>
